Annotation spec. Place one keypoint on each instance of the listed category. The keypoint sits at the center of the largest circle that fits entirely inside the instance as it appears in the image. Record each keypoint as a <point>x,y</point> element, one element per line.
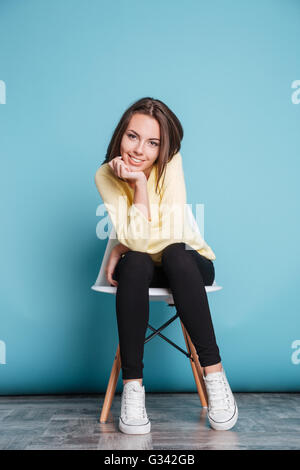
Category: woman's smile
<point>135,161</point>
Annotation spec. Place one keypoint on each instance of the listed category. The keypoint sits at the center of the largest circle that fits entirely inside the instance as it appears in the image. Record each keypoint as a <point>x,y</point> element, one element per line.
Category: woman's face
<point>141,140</point>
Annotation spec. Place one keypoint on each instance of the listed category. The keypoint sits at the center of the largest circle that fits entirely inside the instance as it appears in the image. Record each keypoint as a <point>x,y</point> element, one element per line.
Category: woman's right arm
<point>141,198</point>
<point>113,260</point>
<point>122,248</point>
<point>130,222</point>
<point>138,181</point>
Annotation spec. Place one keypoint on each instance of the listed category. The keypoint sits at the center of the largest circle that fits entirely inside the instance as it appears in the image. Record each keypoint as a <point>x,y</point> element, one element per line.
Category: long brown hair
<point>171,132</point>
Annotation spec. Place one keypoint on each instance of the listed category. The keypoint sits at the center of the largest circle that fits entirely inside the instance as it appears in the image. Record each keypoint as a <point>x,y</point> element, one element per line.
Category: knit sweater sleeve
<point>175,222</point>
<point>131,225</point>
<point>173,201</point>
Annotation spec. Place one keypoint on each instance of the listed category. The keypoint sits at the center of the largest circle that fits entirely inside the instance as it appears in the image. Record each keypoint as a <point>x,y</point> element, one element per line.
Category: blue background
<point>71,68</point>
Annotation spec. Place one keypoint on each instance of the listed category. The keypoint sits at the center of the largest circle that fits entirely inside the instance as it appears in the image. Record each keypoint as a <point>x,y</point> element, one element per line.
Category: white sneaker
<point>133,419</point>
<point>222,408</point>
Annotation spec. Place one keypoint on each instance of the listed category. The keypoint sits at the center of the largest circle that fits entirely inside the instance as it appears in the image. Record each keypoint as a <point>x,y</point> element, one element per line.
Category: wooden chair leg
<point>204,400</point>
<point>111,387</point>
<point>196,368</point>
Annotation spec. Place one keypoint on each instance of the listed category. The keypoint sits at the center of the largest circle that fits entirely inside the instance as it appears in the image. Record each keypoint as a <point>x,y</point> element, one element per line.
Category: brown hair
<point>171,132</point>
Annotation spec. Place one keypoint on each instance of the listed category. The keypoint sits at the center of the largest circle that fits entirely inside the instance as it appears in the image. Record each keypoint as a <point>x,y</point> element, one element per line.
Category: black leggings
<point>187,273</point>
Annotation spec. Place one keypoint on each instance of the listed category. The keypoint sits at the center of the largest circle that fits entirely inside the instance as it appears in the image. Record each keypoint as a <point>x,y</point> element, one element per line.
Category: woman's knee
<point>176,257</point>
<point>136,264</point>
<point>172,251</point>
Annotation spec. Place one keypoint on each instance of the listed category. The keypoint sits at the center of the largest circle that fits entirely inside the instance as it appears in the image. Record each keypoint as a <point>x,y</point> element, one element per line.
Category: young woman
<point>142,185</point>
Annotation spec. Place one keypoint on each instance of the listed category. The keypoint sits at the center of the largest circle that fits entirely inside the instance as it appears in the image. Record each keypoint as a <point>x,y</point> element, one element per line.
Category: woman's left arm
<point>174,216</point>
<point>173,201</point>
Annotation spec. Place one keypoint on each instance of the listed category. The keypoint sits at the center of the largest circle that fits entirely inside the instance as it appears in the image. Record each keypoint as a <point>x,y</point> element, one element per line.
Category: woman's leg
<point>133,272</point>
<point>188,273</point>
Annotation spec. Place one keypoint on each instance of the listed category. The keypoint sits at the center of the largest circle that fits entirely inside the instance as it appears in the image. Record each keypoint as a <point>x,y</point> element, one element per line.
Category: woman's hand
<point>111,264</point>
<point>122,171</point>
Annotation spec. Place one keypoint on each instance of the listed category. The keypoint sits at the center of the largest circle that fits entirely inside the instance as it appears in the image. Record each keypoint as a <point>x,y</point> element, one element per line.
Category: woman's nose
<point>139,148</point>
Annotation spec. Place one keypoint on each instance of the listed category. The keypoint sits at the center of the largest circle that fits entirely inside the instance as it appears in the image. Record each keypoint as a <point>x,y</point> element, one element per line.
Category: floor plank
<point>266,421</point>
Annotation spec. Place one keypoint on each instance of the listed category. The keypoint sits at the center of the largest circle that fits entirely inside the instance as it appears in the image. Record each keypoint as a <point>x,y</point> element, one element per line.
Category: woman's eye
<point>152,141</point>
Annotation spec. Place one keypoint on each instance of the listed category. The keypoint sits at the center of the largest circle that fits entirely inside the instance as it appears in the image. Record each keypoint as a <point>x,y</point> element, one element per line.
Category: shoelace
<point>219,399</point>
<point>133,405</point>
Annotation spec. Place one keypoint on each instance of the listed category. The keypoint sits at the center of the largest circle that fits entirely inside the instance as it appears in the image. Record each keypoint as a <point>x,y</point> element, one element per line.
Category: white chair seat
<point>159,294</point>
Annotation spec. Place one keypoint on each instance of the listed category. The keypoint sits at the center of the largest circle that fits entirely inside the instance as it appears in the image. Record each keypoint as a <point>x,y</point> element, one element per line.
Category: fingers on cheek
<point>124,168</point>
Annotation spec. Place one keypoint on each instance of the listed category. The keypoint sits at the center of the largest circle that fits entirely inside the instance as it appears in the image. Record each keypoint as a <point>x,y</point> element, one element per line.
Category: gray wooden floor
<point>266,421</point>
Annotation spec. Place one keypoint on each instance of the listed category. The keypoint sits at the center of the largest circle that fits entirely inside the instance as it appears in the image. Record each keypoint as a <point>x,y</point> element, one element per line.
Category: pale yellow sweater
<point>168,224</point>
